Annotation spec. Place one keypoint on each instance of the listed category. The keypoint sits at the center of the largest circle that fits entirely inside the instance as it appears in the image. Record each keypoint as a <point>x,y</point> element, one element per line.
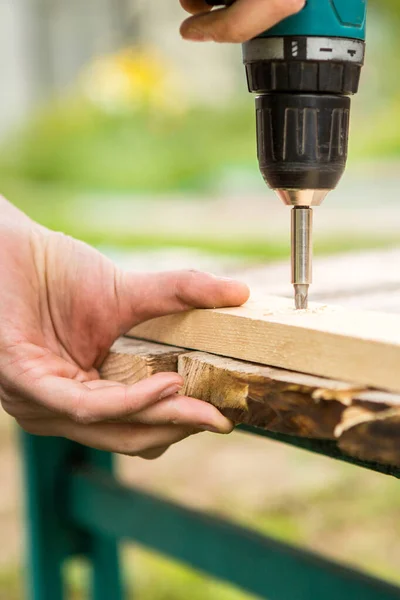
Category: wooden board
<point>274,399</point>
<point>130,361</point>
<point>367,280</point>
<point>356,346</point>
<point>366,423</point>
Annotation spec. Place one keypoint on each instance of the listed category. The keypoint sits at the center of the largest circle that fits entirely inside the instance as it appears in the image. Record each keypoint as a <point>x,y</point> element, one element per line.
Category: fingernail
<point>170,391</point>
<point>194,35</point>
<point>211,429</point>
<point>226,428</point>
<point>222,278</point>
<point>227,279</point>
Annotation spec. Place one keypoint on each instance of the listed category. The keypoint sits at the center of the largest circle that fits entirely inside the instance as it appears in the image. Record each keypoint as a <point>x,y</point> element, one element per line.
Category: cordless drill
<point>303,72</point>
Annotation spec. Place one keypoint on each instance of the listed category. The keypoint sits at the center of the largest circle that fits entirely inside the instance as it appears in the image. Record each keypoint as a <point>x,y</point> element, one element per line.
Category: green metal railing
<point>75,506</point>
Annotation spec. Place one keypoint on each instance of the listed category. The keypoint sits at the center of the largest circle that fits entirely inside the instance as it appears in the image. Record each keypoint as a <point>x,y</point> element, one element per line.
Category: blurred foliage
<point>77,144</point>
<point>128,127</point>
<point>56,208</point>
<point>392,7</point>
<point>134,78</point>
<point>382,140</point>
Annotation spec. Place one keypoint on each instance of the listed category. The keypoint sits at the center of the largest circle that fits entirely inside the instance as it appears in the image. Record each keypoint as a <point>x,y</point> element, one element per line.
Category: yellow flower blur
<point>134,79</point>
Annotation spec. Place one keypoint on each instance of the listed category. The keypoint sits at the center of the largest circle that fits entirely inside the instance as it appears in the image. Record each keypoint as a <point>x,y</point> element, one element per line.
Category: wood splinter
<point>366,423</point>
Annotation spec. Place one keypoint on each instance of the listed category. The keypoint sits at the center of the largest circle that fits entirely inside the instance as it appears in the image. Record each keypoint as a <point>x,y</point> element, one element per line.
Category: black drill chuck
<point>302,87</point>
<point>302,139</point>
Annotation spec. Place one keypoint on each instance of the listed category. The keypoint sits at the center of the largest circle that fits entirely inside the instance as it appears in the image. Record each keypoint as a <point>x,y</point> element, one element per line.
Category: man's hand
<point>62,305</point>
<point>240,22</point>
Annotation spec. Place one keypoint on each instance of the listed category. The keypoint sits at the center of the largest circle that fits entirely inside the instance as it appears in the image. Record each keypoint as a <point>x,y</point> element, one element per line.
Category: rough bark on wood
<point>274,399</point>
<point>366,423</point>
<point>371,432</point>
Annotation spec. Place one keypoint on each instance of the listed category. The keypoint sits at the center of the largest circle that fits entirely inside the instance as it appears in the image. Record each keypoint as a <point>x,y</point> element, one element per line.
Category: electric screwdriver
<point>303,72</point>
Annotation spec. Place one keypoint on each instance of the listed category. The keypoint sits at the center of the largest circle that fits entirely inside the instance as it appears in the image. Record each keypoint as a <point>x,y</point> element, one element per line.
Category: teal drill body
<point>325,18</point>
<point>303,73</point>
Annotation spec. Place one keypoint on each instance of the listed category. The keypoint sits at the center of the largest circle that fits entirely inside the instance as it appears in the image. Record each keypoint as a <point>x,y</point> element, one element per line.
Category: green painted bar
<point>51,536</point>
<point>327,448</point>
<point>49,539</point>
<point>260,565</point>
<point>103,549</point>
<point>106,576</point>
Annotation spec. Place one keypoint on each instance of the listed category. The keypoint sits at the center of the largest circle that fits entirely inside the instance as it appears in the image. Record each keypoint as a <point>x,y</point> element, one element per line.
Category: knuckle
<point>187,5</point>
<point>82,417</point>
<point>130,444</point>
<point>229,30</point>
<point>136,442</point>
<point>16,407</point>
<point>154,453</point>
<point>7,406</point>
<point>128,450</point>
<point>191,272</point>
<point>79,412</point>
<point>188,274</point>
<point>238,37</point>
<point>182,278</point>
<point>174,411</point>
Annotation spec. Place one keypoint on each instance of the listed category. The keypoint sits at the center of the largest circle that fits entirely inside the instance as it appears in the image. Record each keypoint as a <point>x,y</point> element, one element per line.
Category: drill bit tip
<point>301,296</point>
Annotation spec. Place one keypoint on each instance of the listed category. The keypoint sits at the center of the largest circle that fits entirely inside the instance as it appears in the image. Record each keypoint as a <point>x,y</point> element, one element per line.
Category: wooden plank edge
<point>366,423</point>
<point>357,346</point>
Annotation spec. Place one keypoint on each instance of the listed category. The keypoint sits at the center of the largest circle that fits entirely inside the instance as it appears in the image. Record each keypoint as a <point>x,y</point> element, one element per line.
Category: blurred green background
<point>115,131</point>
<point>125,127</point>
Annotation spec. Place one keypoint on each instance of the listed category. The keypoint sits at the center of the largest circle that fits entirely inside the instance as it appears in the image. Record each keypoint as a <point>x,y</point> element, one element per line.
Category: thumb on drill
<point>241,21</point>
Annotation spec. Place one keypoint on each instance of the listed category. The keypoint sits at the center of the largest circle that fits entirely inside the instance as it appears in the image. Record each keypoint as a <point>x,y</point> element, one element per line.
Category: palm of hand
<point>63,305</point>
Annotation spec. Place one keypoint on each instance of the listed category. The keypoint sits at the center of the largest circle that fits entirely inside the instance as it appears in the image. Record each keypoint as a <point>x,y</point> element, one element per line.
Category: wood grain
<point>356,346</point>
<point>366,423</point>
<point>130,361</point>
<point>274,399</point>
